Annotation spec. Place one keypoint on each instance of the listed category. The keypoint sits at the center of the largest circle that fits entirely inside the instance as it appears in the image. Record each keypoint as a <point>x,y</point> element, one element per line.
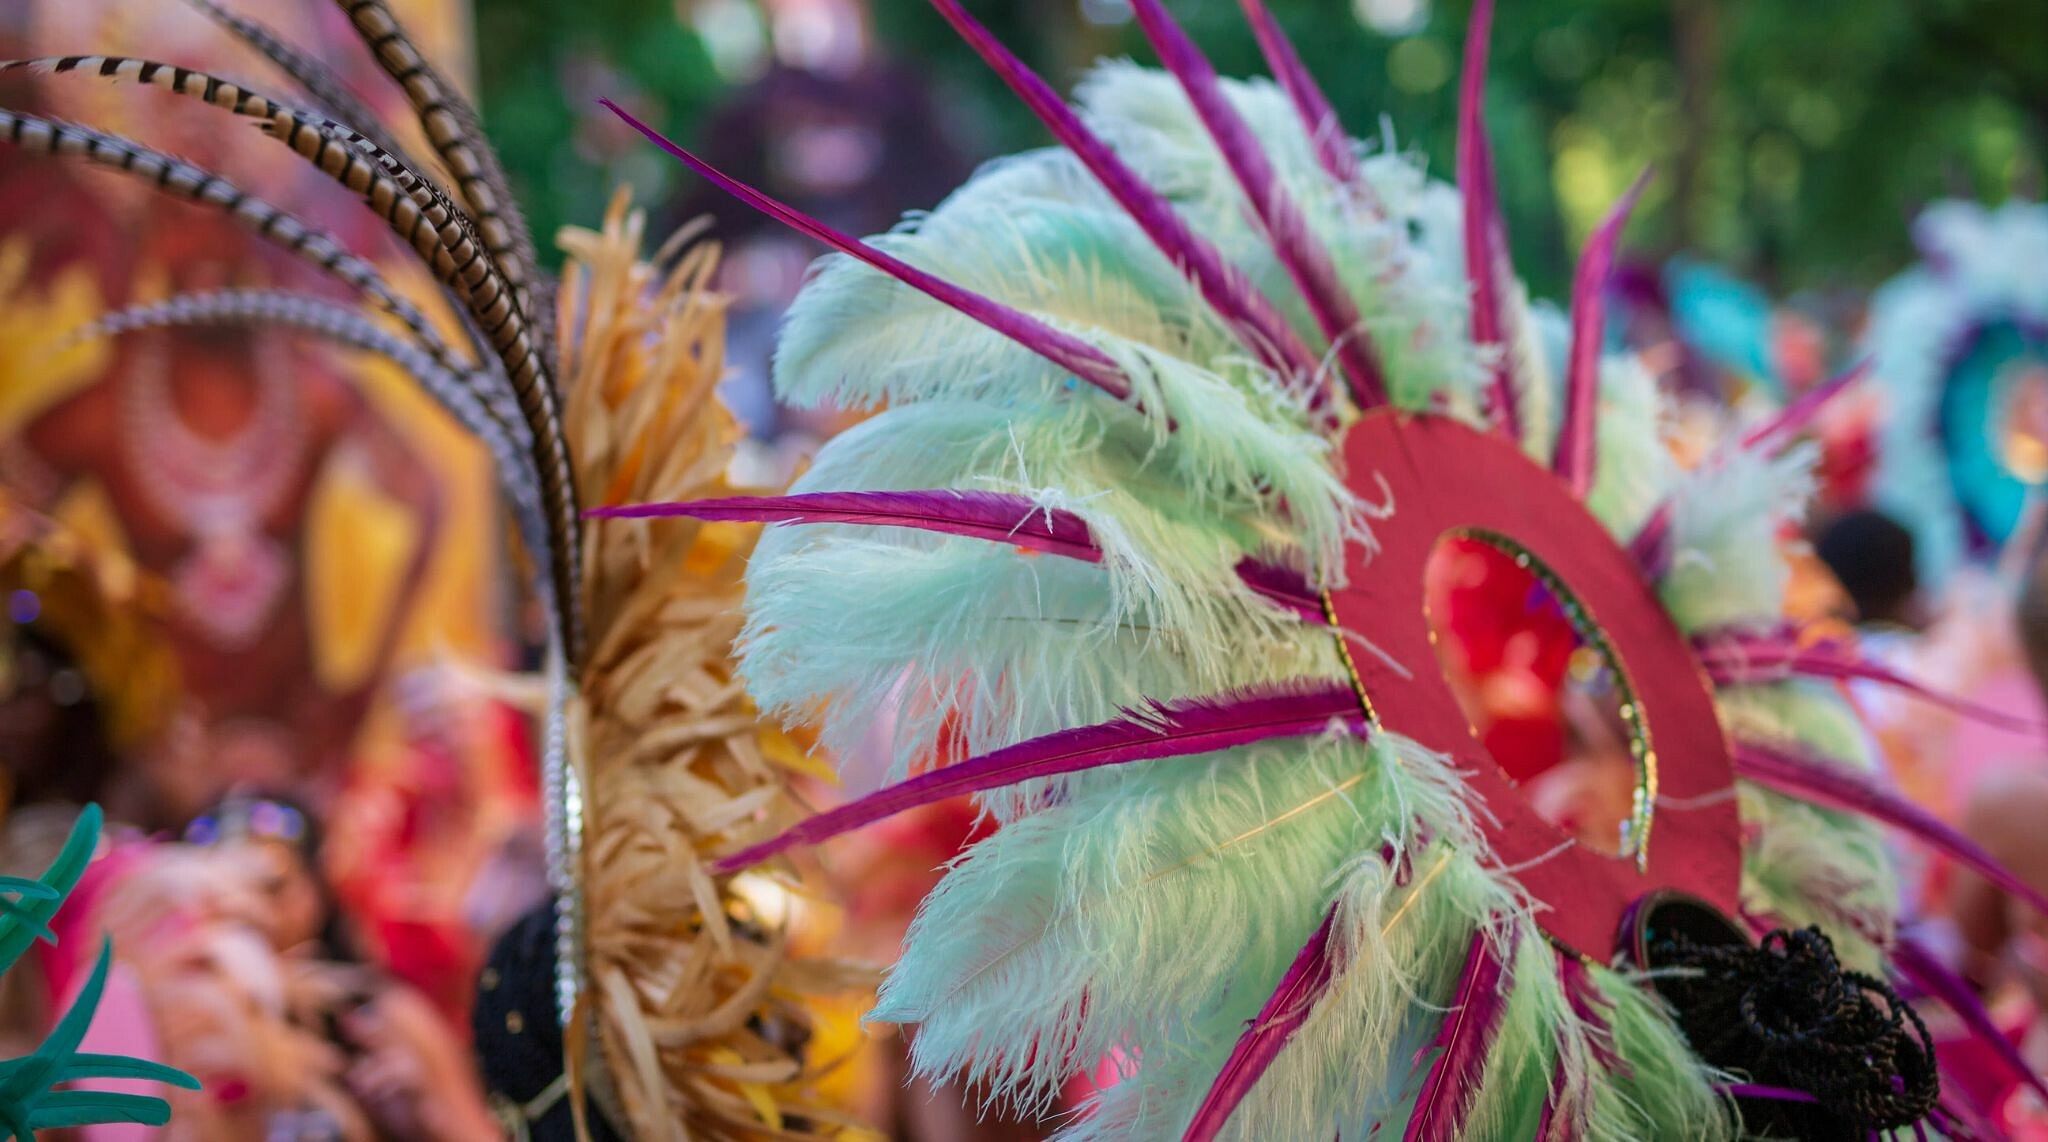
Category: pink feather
<point>1061,348</point>
<point>1160,730</point>
<point>994,516</point>
<point>1651,548</point>
<point>1775,433</point>
<point>1831,785</point>
<point>1591,1009</point>
<point>1257,323</point>
<point>1926,972</point>
<point>1737,657</point>
<point>1486,254</point>
<point>1267,1033</point>
<point>1284,587</point>
<point>1298,249</point>
<point>1461,1046</point>
<point>1652,545</point>
<point>1574,458</point>
<point>1332,144</point>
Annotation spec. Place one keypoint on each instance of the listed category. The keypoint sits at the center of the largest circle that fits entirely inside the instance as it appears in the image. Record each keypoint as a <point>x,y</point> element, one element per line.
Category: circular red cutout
<point>1440,476</point>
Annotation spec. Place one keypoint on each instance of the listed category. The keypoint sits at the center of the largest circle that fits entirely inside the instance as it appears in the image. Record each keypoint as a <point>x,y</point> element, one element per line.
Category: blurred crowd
<point>258,606</point>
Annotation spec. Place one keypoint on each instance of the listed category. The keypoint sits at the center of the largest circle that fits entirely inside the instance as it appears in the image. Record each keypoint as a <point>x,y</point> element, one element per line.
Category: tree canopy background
<point>1792,141</point>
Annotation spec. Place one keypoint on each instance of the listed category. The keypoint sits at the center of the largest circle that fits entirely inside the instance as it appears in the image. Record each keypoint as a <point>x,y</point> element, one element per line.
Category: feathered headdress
<point>681,1005</point>
<point>1174,415</point>
<point>1960,345</point>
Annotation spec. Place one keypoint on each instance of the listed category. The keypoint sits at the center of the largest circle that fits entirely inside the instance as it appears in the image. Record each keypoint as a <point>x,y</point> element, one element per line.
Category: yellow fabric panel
<point>358,541</point>
<point>34,316</point>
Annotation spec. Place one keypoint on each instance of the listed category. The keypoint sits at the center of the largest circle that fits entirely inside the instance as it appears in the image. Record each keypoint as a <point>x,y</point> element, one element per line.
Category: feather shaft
<point>1061,348</point>
<point>1301,253</point>
<point>1325,131</point>
<point>1486,257</point>
<point>1268,1032</point>
<point>1835,787</point>
<point>1779,430</point>
<point>1222,285</point>
<point>1920,965</point>
<point>1575,456</point>
<point>1461,1046</point>
<point>1741,658</point>
<point>1165,730</point>
<point>993,516</point>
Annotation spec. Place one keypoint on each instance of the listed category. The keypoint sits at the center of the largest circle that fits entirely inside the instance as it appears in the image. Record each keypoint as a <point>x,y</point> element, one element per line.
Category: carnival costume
<point>1960,346</point>
<point>1174,415</point>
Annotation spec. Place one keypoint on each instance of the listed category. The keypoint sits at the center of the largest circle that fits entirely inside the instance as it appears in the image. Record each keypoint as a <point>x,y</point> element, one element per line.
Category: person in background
<point>2005,942</point>
<point>400,1062</point>
<point>1872,555</point>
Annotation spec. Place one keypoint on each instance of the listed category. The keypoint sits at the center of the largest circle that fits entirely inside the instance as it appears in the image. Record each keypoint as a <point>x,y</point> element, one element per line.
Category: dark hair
<point>1872,556</point>
<point>248,814</point>
<point>2031,618</point>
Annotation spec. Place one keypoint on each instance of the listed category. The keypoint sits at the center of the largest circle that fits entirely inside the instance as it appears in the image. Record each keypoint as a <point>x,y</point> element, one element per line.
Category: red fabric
<point>1507,645</point>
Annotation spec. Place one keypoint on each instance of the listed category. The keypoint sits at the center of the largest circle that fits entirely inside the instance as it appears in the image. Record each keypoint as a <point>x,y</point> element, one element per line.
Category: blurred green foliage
<point>1792,139</point>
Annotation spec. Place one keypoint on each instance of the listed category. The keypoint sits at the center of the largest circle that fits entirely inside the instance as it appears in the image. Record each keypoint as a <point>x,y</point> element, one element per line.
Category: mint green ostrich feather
<point>1145,912</point>
<point>29,1098</point>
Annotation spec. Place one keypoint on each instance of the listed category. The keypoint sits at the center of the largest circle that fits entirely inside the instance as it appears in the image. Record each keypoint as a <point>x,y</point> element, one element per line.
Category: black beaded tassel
<point>1786,1014</point>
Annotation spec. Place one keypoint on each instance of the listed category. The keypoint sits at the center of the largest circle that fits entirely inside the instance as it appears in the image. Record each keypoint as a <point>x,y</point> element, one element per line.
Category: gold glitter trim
<point>1350,666</point>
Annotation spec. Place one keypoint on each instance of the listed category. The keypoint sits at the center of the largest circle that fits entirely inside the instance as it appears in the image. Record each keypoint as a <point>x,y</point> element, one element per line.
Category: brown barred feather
<point>443,239</point>
<point>310,74</point>
<point>460,394</point>
<point>448,247</point>
<point>222,93</point>
<point>183,180</point>
<point>453,127</point>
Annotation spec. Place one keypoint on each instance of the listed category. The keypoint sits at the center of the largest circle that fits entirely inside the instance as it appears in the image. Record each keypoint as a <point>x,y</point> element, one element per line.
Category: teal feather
<point>28,1100</point>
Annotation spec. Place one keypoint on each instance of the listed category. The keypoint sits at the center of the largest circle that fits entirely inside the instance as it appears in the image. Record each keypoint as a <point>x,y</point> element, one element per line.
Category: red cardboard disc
<point>1440,476</point>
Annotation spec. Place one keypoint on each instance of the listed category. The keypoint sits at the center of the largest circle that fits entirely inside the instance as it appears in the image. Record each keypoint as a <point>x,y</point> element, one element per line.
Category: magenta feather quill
<point>1267,1034</point>
<point>995,516</point>
<point>1575,437</point>
<point>1461,1047</point>
<point>1297,248</point>
<point>1486,255</point>
<point>1161,730</point>
<point>1651,548</point>
<point>1326,133</point>
<point>1222,285</point>
<point>1283,586</point>
<point>1780,430</point>
<point>1746,657</point>
<point>1591,1009</point>
<point>1926,972</point>
<point>1061,348</point>
<point>1831,785</point>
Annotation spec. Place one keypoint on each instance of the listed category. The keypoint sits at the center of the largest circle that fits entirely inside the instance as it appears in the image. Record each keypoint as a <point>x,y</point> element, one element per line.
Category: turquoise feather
<point>28,1098</point>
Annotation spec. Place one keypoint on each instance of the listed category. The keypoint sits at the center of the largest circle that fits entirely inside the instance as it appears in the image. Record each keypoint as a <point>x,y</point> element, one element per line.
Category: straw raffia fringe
<point>670,745</point>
